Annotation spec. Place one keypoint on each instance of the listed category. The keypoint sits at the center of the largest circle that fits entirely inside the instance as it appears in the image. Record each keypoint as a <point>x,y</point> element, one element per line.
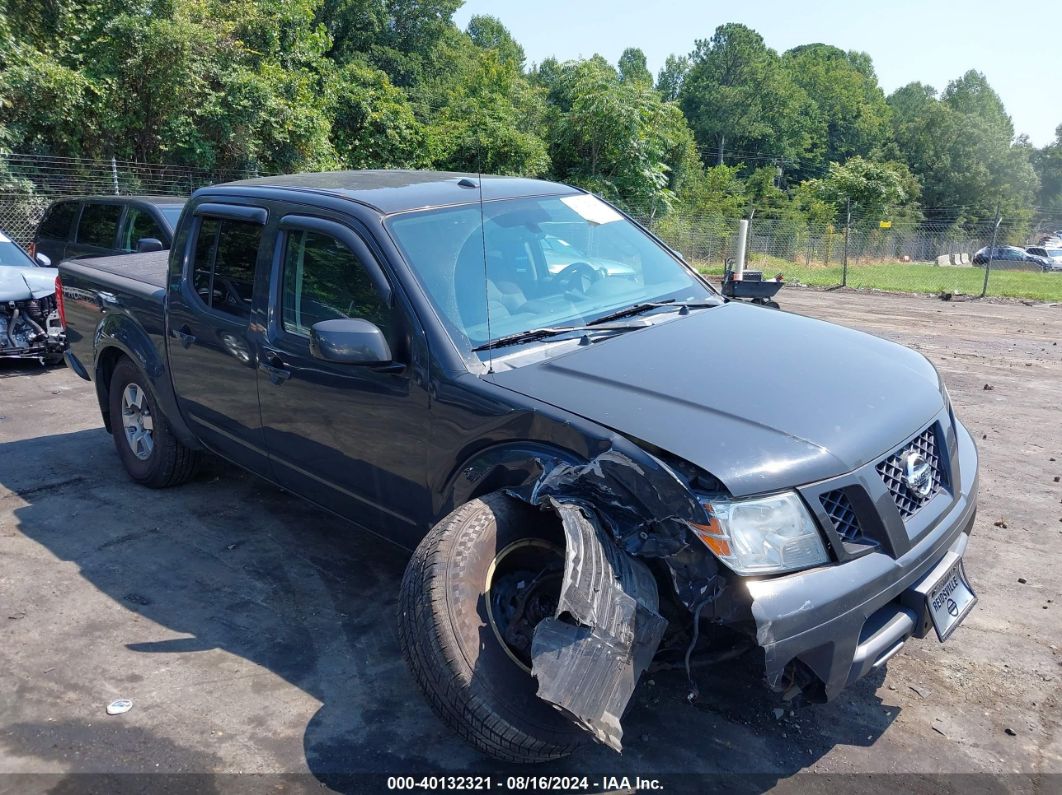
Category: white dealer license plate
<point>949,600</point>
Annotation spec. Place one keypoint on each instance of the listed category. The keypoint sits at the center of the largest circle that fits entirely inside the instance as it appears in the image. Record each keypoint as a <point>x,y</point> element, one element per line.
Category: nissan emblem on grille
<point>917,473</point>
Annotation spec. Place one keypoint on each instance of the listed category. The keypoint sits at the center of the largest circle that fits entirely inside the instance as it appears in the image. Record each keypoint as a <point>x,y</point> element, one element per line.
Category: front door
<point>211,345</point>
<point>350,437</point>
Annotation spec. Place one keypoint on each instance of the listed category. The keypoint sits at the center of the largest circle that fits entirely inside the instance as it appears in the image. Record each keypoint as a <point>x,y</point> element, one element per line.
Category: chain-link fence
<point>710,241</point>
<point>872,254</point>
<point>29,183</point>
<point>821,254</point>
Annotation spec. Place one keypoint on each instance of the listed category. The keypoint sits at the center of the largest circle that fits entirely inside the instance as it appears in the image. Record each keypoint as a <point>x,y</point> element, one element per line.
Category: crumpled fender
<point>607,628</point>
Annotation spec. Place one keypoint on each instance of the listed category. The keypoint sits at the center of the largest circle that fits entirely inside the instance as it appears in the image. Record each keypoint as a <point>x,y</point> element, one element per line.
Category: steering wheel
<point>577,275</point>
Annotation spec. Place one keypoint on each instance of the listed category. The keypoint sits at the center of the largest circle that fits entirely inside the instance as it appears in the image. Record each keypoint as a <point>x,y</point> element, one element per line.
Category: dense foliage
<point>731,128</point>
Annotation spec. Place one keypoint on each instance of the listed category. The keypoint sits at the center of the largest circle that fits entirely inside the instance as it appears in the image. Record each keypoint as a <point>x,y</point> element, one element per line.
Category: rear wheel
<point>472,594</point>
<point>150,452</point>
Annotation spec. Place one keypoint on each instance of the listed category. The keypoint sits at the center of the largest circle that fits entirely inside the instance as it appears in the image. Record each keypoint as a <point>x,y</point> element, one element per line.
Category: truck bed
<point>98,288</point>
<point>148,268</point>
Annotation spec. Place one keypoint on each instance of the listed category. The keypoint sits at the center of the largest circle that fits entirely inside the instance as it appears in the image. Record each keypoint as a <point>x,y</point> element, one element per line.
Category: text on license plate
<point>950,600</point>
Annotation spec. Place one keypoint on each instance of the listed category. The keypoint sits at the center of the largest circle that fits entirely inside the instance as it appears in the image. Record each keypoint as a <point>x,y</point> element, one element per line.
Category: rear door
<point>56,229</point>
<point>97,230</point>
<point>350,437</point>
<point>211,346</point>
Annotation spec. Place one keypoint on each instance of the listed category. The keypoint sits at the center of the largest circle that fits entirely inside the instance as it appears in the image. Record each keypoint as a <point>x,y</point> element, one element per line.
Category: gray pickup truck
<point>597,459</point>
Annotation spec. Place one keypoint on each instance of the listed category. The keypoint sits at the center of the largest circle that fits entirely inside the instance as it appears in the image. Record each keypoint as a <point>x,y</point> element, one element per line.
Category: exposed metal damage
<point>616,515</point>
<point>30,323</point>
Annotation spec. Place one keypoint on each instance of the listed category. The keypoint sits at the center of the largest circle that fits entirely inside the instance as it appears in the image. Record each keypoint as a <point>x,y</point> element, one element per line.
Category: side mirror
<point>349,341</point>
<point>146,244</point>
<point>44,260</point>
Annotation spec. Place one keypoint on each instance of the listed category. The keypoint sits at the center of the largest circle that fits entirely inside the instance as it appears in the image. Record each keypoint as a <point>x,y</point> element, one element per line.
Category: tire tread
<point>430,648</point>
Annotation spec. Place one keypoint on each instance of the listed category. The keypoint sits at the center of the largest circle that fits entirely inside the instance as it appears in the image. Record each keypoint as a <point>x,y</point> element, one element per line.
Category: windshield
<point>11,254</point>
<point>553,261</point>
<point>171,212</point>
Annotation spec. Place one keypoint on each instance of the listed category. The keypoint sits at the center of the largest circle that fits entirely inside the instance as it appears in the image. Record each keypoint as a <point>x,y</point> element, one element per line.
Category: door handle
<point>184,334</point>
<point>275,369</point>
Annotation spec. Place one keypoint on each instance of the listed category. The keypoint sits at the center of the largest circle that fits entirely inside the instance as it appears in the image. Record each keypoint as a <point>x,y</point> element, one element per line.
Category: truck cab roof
<point>390,192</point>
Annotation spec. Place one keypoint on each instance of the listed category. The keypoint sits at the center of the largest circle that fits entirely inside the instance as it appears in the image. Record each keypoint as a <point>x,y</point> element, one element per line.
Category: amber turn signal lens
<point>712,536</point>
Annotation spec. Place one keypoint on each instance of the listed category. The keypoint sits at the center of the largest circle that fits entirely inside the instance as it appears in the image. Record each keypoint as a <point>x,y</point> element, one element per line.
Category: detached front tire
<point>149,451</point>
<point>471,595</point>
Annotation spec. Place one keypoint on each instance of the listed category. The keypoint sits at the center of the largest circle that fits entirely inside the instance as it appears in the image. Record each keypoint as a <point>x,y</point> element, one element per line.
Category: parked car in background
<point>31,316</point>
<point>101,226</point>
<point>1051,253</point>
<point>1009,255</point>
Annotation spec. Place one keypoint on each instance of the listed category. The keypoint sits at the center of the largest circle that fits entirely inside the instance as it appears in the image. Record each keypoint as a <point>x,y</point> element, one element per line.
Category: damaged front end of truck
<point>637,581</point>
<point>658,555</point>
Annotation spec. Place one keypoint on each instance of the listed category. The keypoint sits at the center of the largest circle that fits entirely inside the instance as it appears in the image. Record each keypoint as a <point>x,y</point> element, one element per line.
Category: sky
<point>1018,45</point>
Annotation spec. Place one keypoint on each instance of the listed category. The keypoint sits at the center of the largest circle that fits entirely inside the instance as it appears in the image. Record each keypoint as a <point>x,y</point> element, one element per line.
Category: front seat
<point>471,295</point>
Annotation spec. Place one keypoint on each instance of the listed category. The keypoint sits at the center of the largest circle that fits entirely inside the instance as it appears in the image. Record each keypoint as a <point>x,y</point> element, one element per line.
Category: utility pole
<point>722,143</point>
<point>991,251</point>
<point>847,224</point>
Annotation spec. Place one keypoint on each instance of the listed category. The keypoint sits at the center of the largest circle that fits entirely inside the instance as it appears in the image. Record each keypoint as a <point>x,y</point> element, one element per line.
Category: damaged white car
<point>31,314</point>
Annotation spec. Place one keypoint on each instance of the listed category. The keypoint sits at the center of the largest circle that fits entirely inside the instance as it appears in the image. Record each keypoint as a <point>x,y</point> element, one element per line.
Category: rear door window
<point>99,225</point>
<point>58,221</point>
<point>139,223</point>
<point>223,272</point>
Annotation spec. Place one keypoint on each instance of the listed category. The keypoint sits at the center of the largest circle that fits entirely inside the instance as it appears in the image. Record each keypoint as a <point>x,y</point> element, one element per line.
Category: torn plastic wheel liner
<point>589,668</point>
<point>616,514</point>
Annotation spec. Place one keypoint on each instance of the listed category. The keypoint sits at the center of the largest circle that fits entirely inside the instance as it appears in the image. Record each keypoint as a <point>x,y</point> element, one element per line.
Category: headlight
<point>763,535</point>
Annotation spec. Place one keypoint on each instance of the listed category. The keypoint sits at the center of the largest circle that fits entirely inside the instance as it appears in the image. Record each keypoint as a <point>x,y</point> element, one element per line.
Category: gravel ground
<point>255,634</point>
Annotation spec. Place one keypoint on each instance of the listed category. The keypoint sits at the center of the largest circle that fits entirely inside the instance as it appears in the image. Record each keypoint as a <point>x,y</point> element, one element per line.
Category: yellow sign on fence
<point>885,224</point>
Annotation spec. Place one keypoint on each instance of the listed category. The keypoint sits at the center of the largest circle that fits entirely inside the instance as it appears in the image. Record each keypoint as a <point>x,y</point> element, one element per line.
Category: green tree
<point>669,79</point>
<point>397,36</point>
<point>961,149</point>
<point>47,108</point>
<point>1048,164</point>
<point>489,33</point>
<point>373,124</point>
<point>480,112</point>
<point>873,189</point>
<point>847,98</point>
<point>632,67</point>
<point>737,96</point>
<point>971,95</point>
<point>617,138</point>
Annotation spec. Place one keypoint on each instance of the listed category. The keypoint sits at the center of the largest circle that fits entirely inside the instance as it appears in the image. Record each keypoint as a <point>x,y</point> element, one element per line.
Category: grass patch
<point>918,278</point>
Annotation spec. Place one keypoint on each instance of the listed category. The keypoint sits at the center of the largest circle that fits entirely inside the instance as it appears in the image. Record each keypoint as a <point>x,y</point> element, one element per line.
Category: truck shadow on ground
<point>21,368</point>
<point>238,565</point>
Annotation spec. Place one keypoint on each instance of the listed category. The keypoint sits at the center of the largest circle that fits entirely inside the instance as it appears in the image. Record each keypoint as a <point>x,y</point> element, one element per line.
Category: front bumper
<point>51,347</point>
<point>841,622</point>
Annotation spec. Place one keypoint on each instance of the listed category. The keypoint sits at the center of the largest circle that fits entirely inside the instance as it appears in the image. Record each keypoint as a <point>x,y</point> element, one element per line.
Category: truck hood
<point>22,284</point>
<point>761,399</point>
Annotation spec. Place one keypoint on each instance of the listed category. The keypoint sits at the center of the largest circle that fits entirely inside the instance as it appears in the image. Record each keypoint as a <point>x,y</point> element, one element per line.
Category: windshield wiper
<point>542,333</point>
<point>637,309</point>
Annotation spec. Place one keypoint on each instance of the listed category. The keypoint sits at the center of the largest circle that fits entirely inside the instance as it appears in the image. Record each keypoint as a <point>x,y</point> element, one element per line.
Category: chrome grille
<point>892,472</point>
<point>839,509</point>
